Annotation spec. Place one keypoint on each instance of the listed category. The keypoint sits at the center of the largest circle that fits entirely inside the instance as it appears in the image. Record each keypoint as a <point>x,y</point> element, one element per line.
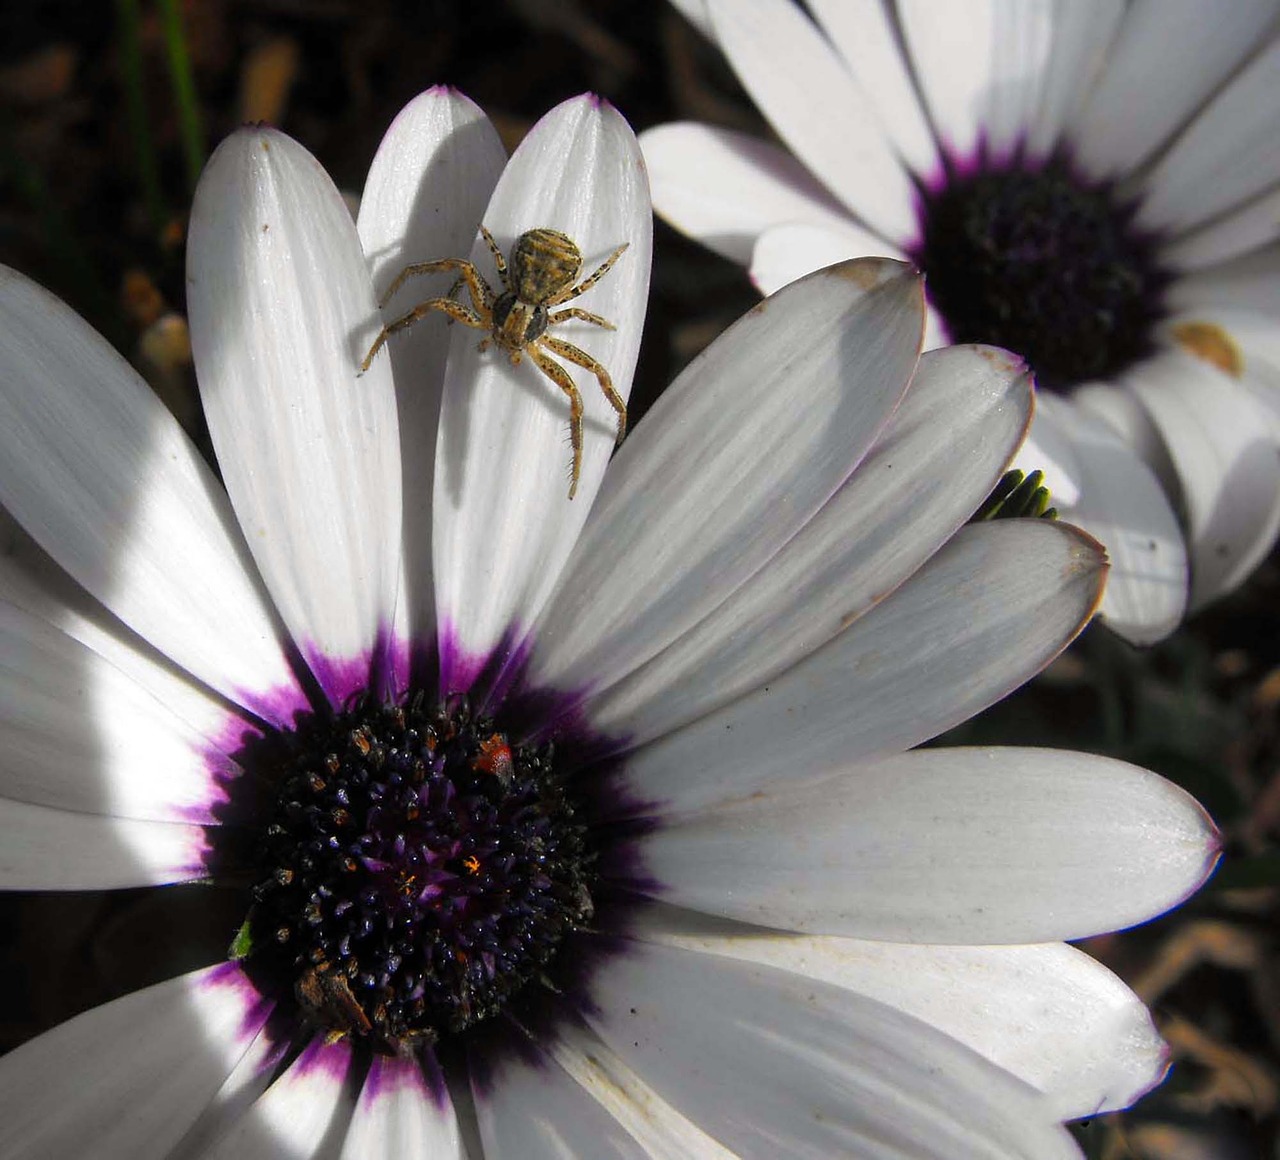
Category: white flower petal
<point>30,580</point>
<point>42,848</point>
<point>1168,56</point>
<point>1228,155</point>
<point>530,1107</point>
<point>78,734</point>
<point>864,35</point>
<point>663,1133</point>
<point>123,1081</point>
<point>723,187</point>
<point>986,613</point>
<point>1046,1012</point>
<point>282,312</point>
<point>403,1111</point>
<point>1219,437</point>
<point>1248,228</point>
<point>426,192</point>
<point>980,66</point>
<point>1249,282</point>
<point>101,475</point>
<point>1101,485</point>
<point>297,1114</point>
<point>773,1064</point>
<point>734,458</point>
<point>695,12</point>
<point>785,253</point>
<point>939,457</point>
<point>503,520</point>
<point>1121,410</point>
<point>246,1082</point>
<point>1082,34</point>
<point>969,846</point>
<point>790,69</point>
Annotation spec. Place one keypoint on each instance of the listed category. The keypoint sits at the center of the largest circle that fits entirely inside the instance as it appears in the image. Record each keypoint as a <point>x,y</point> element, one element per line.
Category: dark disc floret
<point>1045,263</point>
<point>416,870</point>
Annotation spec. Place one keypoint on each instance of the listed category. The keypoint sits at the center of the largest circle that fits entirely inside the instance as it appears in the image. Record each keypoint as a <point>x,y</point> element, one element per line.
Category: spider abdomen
<point>543,263</point>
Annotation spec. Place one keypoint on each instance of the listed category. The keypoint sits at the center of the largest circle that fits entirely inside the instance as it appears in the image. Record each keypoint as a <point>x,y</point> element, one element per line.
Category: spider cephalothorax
<point>541,274</point>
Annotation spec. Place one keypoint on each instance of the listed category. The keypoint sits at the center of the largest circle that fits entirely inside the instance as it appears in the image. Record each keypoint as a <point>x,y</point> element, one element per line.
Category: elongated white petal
<point>1226,157</point>
<point>44,848</point>
<point>723,187</point>
<point>773,1064</point>
<point>945,846</point>
<point>1219,438</point>
<point>78,734</point>
<point>944,448</point>
<point>124,1081</point>
<point>1082,35</point>
<point>30,580</point>
<point>403,1111</point>
<point>695,12</point>
<point>1101,485</point>
<point>1248,228</point>
<point>101,475</point>
<point>503,520</point>
<point>863,33</point>
<point>424,197</point>
<point>737,455</point>
<point>282,312</point>
<point>980,66</point>
<point>1168,56</point>
<point>785,253</point>
<point>298,1114</point>
<point>1046,1012</point>
<point>1250,282</point>
<point>663,1133</point>
<point>532,1108</point>
<point>260,1063</point>
<point>986,613</point>
<point>790,69</point>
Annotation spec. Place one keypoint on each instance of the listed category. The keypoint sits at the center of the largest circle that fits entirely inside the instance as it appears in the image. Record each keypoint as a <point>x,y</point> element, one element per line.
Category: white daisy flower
<point>1093,185</point>
<point>603,838</point>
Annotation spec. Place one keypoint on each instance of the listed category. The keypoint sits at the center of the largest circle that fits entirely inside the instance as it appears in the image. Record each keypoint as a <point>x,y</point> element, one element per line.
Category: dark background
<point>98,156</point>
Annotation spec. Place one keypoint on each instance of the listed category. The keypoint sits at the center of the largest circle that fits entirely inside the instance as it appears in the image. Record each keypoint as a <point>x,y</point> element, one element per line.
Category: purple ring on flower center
<point>417,866</point>
<point>1037,258</point>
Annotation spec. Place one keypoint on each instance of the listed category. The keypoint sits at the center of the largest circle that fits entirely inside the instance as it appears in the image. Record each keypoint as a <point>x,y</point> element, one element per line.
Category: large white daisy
<point>602,838</point>
<point>1094,185</point>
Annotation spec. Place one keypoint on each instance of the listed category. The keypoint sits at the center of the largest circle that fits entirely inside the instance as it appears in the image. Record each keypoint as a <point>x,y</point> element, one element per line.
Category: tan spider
<point>544,266</point>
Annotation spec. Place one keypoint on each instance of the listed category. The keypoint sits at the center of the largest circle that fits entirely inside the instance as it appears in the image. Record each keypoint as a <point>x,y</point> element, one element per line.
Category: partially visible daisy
<point>564,828</point>
<point>1093,185</point>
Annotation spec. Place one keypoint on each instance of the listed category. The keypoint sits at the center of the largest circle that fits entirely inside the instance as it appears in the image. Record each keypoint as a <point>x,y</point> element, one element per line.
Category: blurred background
<point>107,113</point>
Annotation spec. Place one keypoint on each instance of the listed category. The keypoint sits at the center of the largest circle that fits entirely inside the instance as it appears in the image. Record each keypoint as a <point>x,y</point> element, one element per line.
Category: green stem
<point>184,90</point>
<point>130,20</point>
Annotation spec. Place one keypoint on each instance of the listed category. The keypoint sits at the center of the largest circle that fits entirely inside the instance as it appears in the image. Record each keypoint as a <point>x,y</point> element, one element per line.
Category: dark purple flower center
<point>416,870</point>
<point>1044,263</point>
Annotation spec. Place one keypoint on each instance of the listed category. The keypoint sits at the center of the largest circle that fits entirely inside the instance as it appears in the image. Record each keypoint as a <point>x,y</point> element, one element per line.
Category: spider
<point>543,269</point>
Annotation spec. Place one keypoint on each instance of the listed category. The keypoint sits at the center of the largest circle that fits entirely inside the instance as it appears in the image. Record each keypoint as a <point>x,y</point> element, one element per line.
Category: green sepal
<point>242,945</point>
<point>1017,496</point>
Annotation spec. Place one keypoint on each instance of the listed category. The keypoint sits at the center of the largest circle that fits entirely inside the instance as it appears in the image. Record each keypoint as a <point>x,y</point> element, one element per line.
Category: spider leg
<point>577,312</point>
<point>580,358</point>
<point>447,306</point>
<point>481,295</point>
<point>586,284</point>
<point>558,375</point>
<point>499,259</point>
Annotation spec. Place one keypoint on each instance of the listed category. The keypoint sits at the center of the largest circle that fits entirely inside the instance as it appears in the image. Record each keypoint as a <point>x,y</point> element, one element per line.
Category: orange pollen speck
<point>1210,343</point>
<point>472,864</point>
<point>494,757</point>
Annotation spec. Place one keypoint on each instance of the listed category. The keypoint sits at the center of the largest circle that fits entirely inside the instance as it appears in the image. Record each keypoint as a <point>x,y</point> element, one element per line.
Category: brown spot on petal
<point>864,272</point>
<point>1212,344</point>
